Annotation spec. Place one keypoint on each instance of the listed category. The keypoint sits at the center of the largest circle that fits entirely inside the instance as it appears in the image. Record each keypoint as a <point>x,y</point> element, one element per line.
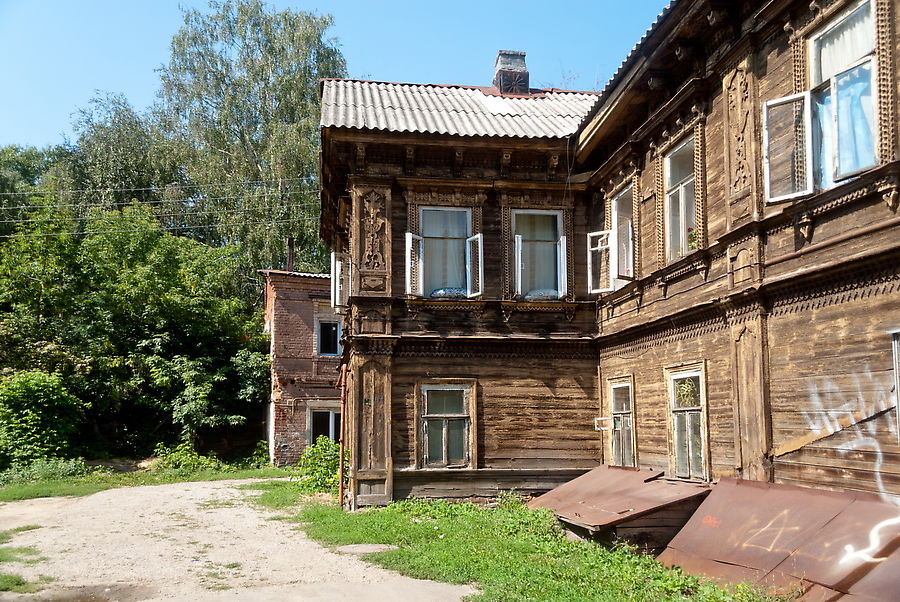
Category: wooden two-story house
<point>696,270</point>
<point>460,255</point>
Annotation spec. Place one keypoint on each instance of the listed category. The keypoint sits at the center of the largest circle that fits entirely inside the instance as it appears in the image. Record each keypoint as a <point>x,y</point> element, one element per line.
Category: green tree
<point>37,417</point>
<point>240,100</point>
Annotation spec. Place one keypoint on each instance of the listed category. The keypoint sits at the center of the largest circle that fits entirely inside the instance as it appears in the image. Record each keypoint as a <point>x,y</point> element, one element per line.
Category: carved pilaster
<point>739,138</point>
<point>372,239</point>
<point>884,52</point>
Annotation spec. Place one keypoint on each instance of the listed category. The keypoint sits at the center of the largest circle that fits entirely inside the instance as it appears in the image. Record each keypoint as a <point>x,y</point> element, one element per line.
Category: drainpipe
<point>342,384</point>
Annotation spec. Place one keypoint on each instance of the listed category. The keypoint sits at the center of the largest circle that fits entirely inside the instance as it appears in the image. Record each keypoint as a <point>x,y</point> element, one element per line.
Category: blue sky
<point>57,53</point>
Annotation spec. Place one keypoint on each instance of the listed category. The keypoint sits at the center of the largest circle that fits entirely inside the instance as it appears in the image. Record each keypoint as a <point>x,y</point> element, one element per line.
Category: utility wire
<point>157,188</point>
<point>112,204</point>
<point>159,229</point>
<point>119,216</point>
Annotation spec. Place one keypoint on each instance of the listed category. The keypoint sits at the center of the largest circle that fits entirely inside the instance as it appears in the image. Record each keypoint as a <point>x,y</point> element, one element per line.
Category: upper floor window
<point>681,210</point>
<point>540,254</point>
<point>328,337</point>
<point>443,260</point>
<point>816,138</point>
<point>611,252</point>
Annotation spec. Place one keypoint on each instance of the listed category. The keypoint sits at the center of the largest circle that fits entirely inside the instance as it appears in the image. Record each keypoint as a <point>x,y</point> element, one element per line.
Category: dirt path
<point>189,541</point>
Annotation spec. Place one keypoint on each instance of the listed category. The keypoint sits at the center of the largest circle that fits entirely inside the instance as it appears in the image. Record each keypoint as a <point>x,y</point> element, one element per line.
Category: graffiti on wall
<point>852,407</point>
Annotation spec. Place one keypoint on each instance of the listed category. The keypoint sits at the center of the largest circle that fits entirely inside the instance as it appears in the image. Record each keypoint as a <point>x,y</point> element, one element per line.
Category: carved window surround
<point>799,33</point>
<point>473,306</point>
<point>628,175</point>
<point>692,124</point>
<point>417,196</point>
<point>514,200</point>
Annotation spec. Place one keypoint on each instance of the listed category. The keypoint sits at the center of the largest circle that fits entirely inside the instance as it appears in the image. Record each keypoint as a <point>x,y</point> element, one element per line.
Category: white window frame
<point>596,243</point>
<point>340,281</point>
<point>333,430</point>
<point>466,416</point>
<point>807,144</point>
<point>562,264</point>
<point>622,383</point>
<point>620,280</point>
<point>476,241</point>
<point>671,375</point>
<point>679,186</point>
<point>806,95</point>
<point>318,335</point>
<point>416,262</point>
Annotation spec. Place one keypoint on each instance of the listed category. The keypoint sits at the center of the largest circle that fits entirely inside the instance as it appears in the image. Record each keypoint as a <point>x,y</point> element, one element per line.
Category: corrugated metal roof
<point>452,110</point>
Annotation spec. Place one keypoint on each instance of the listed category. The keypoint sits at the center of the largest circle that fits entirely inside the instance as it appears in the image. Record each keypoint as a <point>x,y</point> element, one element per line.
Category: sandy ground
<point>189,541</point>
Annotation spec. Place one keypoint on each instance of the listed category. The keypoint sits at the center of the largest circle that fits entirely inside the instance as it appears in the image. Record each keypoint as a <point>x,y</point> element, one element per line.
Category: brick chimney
<point>510,74</point>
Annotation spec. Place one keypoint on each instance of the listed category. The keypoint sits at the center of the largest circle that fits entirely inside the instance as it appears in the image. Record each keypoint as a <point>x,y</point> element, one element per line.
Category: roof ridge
<point>490,90</point>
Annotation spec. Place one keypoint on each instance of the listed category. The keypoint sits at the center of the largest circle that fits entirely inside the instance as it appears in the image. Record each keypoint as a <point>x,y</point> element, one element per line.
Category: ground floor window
<point>325,423</point>
<point>687,398</point>
<point>446,425</point>
<point>623,442</point>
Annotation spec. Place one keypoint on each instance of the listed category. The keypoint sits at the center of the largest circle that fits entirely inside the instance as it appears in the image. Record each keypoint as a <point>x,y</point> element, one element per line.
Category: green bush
<point>49,469</point>
<point>318,466</point>
<point>184,459</point>
<point>258,458</point>
<point>37,417</point>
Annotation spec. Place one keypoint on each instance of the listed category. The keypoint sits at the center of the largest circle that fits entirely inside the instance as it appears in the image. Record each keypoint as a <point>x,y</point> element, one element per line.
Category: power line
<point>160,229</point>
<point>156,188</point>
<point>184,214</point>
<point>113,204</point>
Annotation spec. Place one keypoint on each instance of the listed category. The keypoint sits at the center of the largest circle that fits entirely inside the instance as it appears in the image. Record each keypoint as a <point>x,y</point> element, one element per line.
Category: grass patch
<point>6,536</point>
<point>17,584</point>
<point>22,555</point>
<point>278,495</point>
<point>510,552</point>
<point>100,481</point>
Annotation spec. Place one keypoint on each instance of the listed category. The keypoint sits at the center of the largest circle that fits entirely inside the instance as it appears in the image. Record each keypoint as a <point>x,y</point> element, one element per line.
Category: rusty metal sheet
<point>608,495</point>
<point>832,545</point>
<point>882,582</point>
<point>755,524</point>
<point>865,532</point>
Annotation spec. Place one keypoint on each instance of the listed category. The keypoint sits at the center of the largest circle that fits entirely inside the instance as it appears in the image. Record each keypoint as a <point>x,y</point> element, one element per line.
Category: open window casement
<point>415,251</point>
<point>562,271</point>
<point>340,280</point>
<point>475,266</point>
<point>787,140</point>
<point>601,261</point>
<point>519,265</point>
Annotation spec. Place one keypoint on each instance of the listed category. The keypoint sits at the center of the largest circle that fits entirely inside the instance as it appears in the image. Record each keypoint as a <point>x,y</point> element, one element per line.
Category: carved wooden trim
<point>506,227</point>
<point>700,176</point>
<point>509,349</point>
<point>569,232</point>
<point>660,193</point>
<point>636,221</point>
<point>798,61</point>
<point>739,129</point>
<point>660,334</point>
<point>884,53</point>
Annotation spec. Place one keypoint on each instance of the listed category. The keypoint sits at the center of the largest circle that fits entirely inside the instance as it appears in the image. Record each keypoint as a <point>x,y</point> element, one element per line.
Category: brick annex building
<point>695,271</point>
<point>305,352</point>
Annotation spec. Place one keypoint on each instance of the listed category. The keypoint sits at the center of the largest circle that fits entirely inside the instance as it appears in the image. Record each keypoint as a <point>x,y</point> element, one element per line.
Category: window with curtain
<point>816,138</point>
<point>681,212</point>
<point>540,255</point>
<point>444,233</point>
<point>445,425</point>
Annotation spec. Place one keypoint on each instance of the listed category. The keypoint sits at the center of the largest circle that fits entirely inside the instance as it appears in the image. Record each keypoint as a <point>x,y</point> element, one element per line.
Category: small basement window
<point>445,425</point>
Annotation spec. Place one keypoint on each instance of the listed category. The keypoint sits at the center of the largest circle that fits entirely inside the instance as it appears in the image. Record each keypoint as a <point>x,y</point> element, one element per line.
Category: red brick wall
<point>301,379</point>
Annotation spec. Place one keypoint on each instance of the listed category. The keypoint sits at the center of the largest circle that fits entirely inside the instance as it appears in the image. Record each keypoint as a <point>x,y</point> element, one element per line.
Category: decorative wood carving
<point>891,198</point>
<point>375,225</point>
<point>739,130</point>
<point>360,158</point>
<point>506,227</point>
<point>805,226</point>
<point>507,349</point>
<point>884,53</point>
<point>700,173</point>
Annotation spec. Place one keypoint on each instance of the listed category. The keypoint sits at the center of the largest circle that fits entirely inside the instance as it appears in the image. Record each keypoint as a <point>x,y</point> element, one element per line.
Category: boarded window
<point>601,261</point>
<point>787,125</point>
